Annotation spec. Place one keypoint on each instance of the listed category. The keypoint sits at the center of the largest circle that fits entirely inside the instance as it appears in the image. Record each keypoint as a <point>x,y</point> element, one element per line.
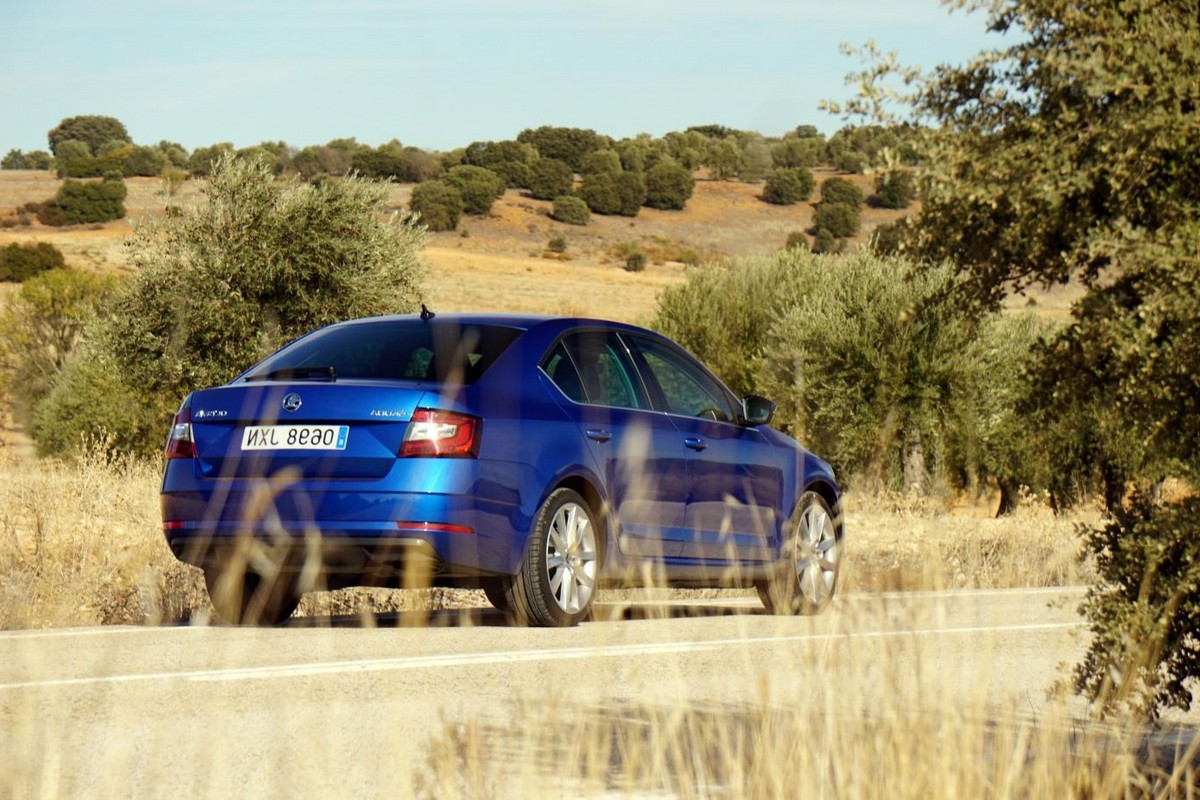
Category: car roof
<point>512,320</point>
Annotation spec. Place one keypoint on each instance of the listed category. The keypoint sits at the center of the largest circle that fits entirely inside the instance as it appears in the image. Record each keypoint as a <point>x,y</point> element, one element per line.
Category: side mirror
<point>757,410</point>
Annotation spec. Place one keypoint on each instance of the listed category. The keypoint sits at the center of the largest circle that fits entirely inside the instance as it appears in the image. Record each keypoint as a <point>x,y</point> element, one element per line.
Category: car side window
<point>688,389</point>
<point>602,367</point>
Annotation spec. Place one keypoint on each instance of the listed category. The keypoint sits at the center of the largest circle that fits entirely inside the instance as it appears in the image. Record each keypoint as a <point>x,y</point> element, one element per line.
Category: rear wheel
<point>249,598</point>
<point>806,580</point>
<point>557,580</point>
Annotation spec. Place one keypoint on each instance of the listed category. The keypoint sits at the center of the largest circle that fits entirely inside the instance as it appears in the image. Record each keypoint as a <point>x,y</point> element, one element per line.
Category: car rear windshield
<point>445,352</point>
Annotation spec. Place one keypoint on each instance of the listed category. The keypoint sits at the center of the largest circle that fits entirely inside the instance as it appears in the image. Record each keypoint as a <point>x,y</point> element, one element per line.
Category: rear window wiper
<point>296,374</point>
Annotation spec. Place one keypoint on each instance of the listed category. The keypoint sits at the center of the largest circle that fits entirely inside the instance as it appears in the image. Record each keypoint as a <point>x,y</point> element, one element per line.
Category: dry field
<point>81,545</point>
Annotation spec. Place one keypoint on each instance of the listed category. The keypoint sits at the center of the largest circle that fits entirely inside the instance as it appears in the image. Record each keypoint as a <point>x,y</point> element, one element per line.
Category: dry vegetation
<point>81,545</point>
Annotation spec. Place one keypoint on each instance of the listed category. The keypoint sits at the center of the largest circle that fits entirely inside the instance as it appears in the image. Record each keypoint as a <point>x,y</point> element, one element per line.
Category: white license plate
<point>295,437</point>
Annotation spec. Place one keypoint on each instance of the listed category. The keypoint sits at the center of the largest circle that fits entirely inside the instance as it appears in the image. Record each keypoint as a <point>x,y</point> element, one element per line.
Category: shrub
<point>439,205</point>
<point>508,159</point>
<point>202,159</point>
<point>20,262</point>
<point>550,178</point>
<point>787,186</point>
<point>851,161</point>
<point>478,186</point>
<point>77,203</point>
<point>557,245</point>
<point>601,161</point>
<point>631,193</point>
<point>825,242</point>
<point>42,326</point>
<point>94,131</point>
<point>571,210</point>
<point>669,185</point>
<point>840,190</point>
<point>565,144</point>
<point>891,238</point>
<point>36,159</point>
<point>599,192</point>
<point>146,162</point>
<point>867,358</point>
<point>635,262</point>
<point>895,189</point>
<point>754,162</point>
<point>797,239</point>
<point>840,219</point>
<point>222,284</point>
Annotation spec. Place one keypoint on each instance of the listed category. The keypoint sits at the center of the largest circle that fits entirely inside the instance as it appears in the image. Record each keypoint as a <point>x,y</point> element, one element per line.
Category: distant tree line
<point>610,176</point>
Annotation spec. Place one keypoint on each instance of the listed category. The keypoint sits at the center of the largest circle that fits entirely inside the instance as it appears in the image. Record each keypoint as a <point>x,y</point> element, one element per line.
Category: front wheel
<point>557,579</point>
<point>805,582</point>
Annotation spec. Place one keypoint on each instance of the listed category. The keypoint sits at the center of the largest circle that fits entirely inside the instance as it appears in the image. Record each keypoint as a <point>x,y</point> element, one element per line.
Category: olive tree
<point>220,285</point>
<point>1070,154</point>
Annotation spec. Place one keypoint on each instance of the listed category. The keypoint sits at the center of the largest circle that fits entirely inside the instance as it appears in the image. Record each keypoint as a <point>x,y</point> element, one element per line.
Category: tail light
<point>180,443</point>
<point>441,433</point>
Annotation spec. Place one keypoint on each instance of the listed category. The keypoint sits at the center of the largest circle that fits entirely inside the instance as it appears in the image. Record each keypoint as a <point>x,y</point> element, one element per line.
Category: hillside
<point>499,262</point>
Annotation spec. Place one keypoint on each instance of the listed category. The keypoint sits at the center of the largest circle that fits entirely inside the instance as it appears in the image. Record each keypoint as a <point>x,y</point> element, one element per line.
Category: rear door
<point>733,476</point>
<point>638,451</point>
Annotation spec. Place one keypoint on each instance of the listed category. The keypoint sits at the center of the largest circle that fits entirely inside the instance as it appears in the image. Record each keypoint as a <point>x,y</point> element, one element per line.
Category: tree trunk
<point>1008,496</point>
<point>914,463</point>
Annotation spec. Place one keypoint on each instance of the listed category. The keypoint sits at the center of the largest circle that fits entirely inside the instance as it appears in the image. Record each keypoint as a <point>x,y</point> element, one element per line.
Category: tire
<point>251,599</point>
<point>556,583</point>
<point>497,592</point>
<point>805,582</point>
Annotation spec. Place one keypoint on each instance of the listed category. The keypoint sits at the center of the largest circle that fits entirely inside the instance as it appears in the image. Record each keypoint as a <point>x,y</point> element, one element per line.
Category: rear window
<point>445,352</point>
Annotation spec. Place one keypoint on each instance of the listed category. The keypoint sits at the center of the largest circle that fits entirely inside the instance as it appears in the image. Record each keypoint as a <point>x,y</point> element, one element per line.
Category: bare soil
<point>499,262</point>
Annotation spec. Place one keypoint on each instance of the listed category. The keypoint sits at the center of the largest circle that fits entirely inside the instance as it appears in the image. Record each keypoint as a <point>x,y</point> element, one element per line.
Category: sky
<point>441,74</point>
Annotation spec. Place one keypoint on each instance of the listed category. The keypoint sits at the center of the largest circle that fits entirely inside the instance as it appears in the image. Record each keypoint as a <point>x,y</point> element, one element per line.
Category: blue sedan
<point>537,458</point>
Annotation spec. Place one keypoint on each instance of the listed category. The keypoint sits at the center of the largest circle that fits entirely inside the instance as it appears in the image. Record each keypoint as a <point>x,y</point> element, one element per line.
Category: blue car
<point>537,458</point>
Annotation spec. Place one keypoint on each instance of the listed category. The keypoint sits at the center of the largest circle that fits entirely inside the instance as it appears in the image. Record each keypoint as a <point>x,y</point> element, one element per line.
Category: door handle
<point>695,443</point>
<point>598,434</point>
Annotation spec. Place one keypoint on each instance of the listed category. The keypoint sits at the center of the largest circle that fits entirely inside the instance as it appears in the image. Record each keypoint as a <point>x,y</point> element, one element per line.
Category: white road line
<point>505,657</point>
<point>102,630</point>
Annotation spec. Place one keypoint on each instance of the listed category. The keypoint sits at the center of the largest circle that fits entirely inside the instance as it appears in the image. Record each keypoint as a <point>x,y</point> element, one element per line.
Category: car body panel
<point>684,498</point>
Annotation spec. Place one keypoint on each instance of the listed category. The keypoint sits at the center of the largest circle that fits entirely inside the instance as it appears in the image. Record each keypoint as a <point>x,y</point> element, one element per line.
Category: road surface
<point>328,707</point>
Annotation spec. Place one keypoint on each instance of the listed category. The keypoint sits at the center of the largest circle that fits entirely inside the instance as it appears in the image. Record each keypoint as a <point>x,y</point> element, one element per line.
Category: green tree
<point>754,161</point>
<point>786,187</point>
<point>220,285</point>
<point>571,210</point>
<point>841,220</point>
<point>601,161</point>
<point>147,162</point>
<point>566,144</point>
<point>41,327</point>
<point>841,190</point>
<point>479,187</point>
<point>202,159</point>
<point>895,189</point>
<point>669,185</point>
<point>510,160</point>
<point>550,178</point>
<point>438,204</point>
<point>92,130</point>
<point>78,202</point>
<point>1071,154</point>
<point>20,262</point>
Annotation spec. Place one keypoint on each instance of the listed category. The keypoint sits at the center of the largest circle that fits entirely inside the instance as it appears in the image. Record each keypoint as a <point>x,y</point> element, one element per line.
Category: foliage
<point>601,161</point>
<point>90,129</point>
<point>35,159</point>
<point>635,262</point>
<point>20,262</point>
<point>621,194</point>
<point>202,159</point>
<point>754,161</point>
<point>788,186</point>
<point>841,220</point>
<point>221,285</point>
<point>864,356</point>
<point>144,161</point>
<point>77,202</point>
<point>565,144</point>
<point>438,204</point>
<point>1071,154</point>
<point>1145,610</point>
<point>557,244</point>
<point>891,238</point>
<point>721,158</point>
<point>669,185</point>
<point>550,178</point>
<point>479,187</point>
<point>840,190</point>
<point>41,327</point>
<point>387,162</point>
<point>571,210</point>
<point>895,189</point>
<point>510,160</point>
<point>797,239</point>
<point>824,241</point>
<point>796,152</point>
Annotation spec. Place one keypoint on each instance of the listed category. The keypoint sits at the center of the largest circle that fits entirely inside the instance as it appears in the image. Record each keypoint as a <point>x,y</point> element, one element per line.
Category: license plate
<point>295,437</point>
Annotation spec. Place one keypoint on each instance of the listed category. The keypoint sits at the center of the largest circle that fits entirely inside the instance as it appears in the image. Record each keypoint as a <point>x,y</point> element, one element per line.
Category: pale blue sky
<point>442,73</point>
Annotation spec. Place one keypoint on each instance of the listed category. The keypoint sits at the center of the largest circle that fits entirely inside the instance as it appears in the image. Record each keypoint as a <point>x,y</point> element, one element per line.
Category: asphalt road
<point>331,708</point>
